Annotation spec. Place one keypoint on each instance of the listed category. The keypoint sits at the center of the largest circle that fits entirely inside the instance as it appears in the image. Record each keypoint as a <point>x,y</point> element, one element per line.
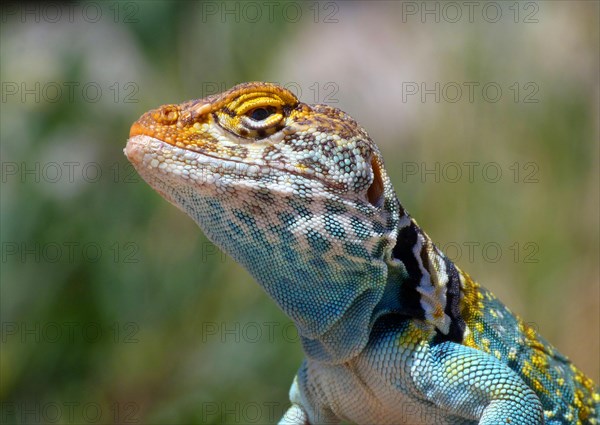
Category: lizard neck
<point>335,290</point>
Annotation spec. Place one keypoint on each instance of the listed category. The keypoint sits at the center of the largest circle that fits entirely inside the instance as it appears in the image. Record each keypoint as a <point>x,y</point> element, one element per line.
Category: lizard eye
<point>264,119</point>
<point>260,114</point>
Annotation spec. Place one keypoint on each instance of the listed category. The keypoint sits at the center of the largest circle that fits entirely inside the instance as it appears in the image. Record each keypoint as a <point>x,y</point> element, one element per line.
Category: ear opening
<point>375,191</point>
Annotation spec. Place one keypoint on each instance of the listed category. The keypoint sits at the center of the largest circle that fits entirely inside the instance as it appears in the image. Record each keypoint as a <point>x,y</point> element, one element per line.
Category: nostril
<point>166,115</point>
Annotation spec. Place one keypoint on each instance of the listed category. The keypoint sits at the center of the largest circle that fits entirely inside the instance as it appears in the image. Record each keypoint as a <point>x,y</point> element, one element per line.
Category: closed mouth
<point>141,148</point>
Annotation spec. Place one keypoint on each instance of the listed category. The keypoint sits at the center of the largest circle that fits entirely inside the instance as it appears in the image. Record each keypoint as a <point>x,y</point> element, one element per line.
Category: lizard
<point>393,331</point>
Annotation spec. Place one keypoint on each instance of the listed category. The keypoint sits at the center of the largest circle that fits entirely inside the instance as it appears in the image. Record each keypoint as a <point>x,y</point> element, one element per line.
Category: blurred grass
<point>177,318</point>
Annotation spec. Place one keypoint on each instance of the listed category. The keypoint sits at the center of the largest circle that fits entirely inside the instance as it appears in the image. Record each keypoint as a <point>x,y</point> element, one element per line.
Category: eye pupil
<point>260,114</point>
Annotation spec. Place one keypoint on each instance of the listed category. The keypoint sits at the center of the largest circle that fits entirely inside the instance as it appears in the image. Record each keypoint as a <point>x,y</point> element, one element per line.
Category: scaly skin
<point>393,331</point>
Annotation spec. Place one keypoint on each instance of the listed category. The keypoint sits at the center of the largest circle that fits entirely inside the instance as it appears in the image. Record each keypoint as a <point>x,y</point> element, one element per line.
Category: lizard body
<point>393,331</point>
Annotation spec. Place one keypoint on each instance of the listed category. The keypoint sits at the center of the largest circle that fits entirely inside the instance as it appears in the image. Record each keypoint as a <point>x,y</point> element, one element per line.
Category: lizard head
<point>297,193</point>
<point>268,135</point>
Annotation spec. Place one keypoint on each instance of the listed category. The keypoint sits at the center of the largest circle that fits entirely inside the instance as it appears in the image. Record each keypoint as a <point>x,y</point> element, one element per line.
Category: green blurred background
<point>116,308</point>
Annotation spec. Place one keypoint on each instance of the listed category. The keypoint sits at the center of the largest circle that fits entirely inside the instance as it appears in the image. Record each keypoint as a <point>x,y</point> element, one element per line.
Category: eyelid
<point>263,103</point>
